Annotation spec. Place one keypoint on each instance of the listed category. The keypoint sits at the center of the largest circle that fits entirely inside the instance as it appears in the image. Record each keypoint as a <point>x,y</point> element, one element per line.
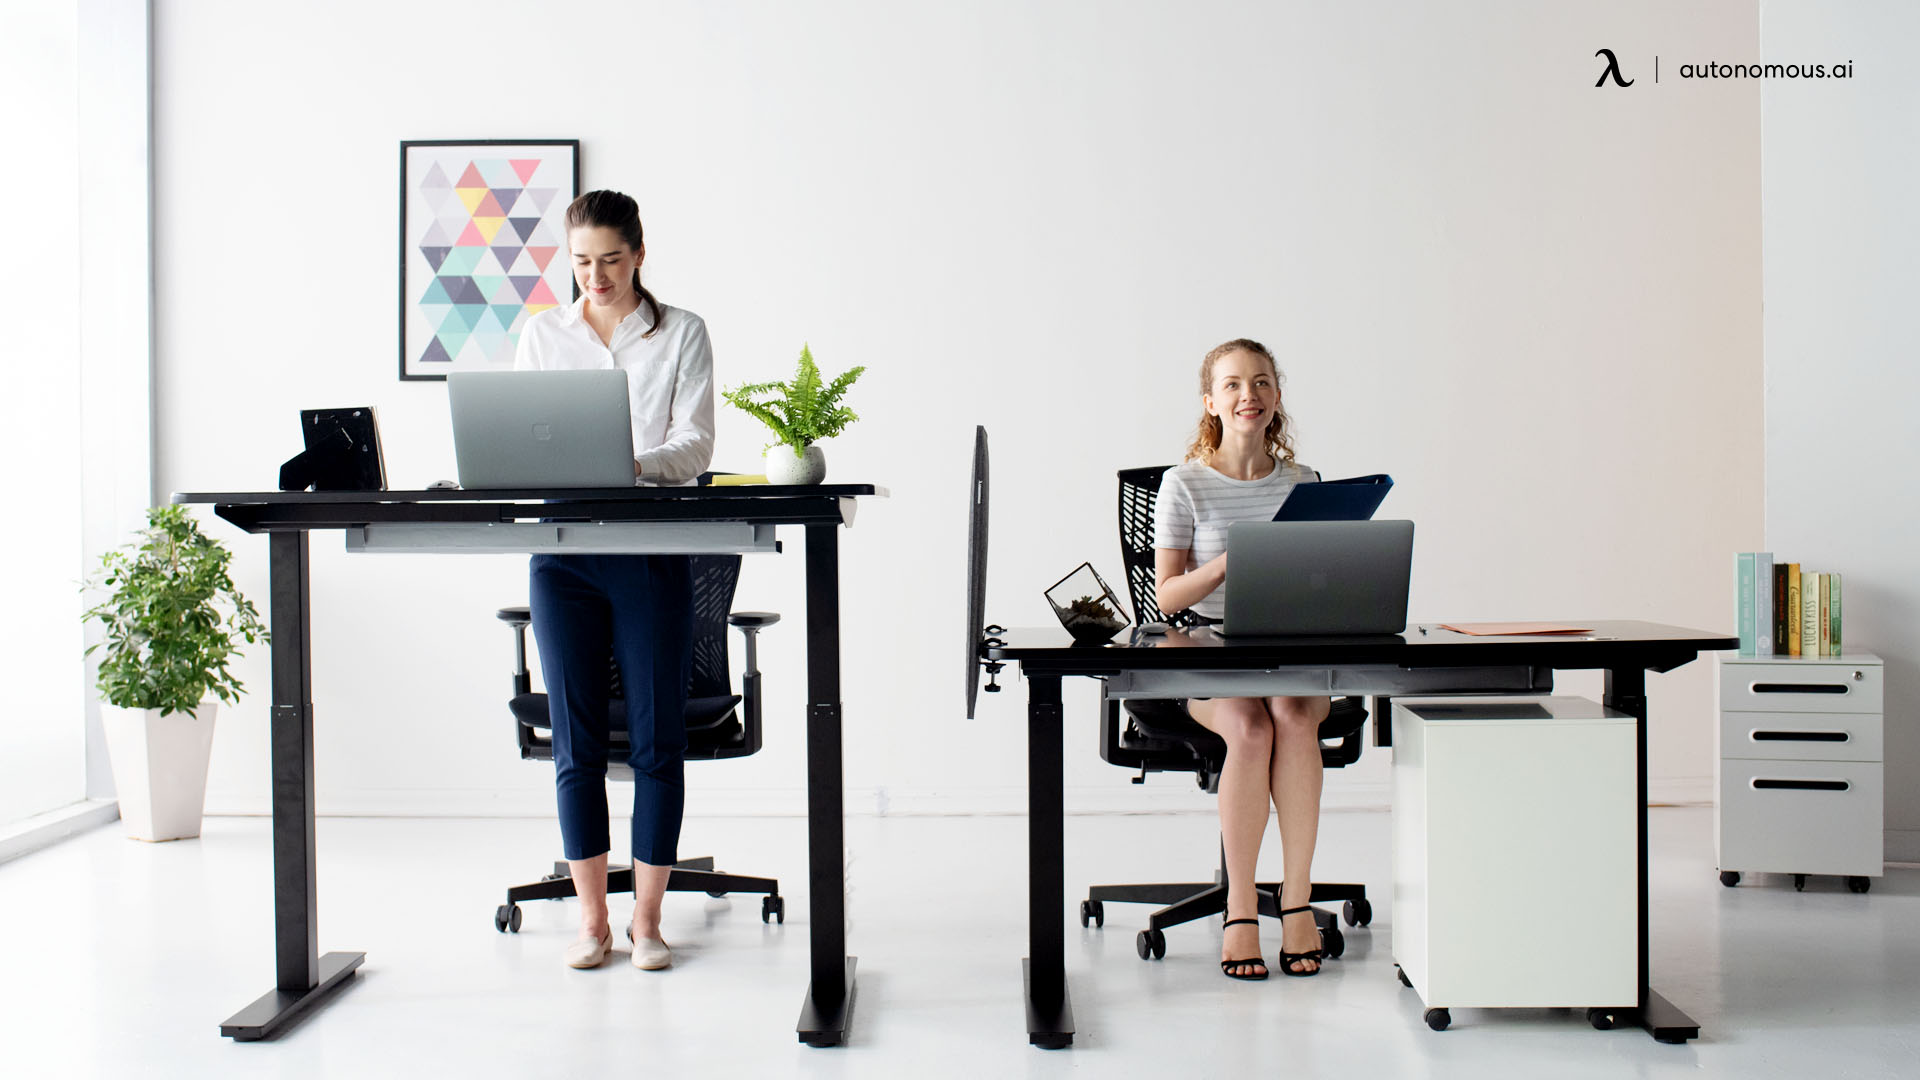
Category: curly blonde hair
<point>1206,439</point>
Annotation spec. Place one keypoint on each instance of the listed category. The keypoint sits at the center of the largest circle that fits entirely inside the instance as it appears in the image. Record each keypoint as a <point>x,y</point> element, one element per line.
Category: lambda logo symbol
<point>1613,69</point>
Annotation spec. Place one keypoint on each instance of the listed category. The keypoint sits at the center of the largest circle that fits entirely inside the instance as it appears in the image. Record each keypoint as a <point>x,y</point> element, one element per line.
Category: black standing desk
<point>636,519</point>
<point>1424,660</point>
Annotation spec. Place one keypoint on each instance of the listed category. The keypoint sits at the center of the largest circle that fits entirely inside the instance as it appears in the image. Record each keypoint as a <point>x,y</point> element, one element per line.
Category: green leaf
<point>800,412</point>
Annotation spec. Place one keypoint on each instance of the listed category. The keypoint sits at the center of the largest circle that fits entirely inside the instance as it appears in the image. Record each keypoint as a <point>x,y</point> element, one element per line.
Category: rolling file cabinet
<point>1801,770</point>
<point>1514,854</point>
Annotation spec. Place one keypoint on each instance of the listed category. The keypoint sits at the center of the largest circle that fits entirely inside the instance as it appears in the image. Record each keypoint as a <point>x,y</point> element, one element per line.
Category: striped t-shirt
<point>1196,504</point>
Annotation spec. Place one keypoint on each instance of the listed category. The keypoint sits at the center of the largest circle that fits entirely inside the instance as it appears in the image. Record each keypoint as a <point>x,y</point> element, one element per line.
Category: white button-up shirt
<point>669,380</point>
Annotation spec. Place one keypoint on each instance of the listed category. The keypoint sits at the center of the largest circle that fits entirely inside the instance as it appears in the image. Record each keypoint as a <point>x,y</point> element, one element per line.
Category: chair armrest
<point>519,616</point>
<point>755,619</point>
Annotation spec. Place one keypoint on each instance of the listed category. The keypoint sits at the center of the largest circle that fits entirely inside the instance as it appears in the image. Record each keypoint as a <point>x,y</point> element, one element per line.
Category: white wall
<point>1840,171</point>
<point>1535,302</point>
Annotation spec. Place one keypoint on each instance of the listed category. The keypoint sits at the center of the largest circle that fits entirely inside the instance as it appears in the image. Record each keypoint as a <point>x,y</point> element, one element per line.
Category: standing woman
<point>1240,467</point>
<point>636,608</point>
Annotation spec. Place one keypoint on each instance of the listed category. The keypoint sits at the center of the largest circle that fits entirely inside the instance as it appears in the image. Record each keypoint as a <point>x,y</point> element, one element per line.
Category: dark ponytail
<point>612,210</point>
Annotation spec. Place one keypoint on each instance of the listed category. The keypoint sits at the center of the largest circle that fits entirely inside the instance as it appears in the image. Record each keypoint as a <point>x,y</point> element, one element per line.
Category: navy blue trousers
<point>639,609</point>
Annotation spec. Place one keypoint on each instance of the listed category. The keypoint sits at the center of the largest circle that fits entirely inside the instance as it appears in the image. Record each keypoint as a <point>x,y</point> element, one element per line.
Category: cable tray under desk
<point>545,538</point>
<point>1381,679</point>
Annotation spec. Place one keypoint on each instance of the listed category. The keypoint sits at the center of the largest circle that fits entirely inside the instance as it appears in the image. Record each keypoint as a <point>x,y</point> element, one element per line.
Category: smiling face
<point>604,266</point>
<point>1244,393</point>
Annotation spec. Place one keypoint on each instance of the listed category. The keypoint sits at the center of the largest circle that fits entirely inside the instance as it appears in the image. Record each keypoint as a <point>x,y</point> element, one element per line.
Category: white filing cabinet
<point>1801,769</point>
<point>1514,850</point>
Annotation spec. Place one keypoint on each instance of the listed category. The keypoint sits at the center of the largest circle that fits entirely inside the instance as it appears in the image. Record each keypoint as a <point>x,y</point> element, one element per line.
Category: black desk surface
<point>257,511</point>
<point>1612,643</point>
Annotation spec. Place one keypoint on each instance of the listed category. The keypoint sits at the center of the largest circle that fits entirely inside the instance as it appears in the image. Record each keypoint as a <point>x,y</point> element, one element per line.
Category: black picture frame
<point>433,208</point>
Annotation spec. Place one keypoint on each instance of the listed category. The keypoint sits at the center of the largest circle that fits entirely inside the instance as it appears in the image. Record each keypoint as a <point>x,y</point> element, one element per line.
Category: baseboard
<point>1680,791</point>
<point>44,830</point>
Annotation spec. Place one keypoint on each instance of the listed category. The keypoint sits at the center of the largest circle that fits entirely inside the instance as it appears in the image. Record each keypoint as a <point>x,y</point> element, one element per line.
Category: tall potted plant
<point>173,620</point>
<point>800,414</point>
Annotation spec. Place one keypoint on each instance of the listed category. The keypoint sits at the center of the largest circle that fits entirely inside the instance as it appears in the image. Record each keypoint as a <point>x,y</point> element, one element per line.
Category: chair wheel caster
<point>506,918</point>
<point>1093,911</point>
<point>1400,974</point>
<point>1335,942</point>
<point>1358,913</point>
<point>1729,878</point>
<point>773,909</point>
<point>1859,884</point>
<point>1150,944</point>
<point>1601,1019</point>
<point>1799,883</point>
<point>721,895</point>
<point>1438,1019</point>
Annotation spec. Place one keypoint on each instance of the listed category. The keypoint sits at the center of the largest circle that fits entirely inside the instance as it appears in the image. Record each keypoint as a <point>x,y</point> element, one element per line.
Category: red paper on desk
<point>1500,629</point>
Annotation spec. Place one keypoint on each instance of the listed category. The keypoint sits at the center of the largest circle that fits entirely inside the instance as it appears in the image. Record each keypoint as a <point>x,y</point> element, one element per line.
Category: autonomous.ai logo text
<point>1612,71</point>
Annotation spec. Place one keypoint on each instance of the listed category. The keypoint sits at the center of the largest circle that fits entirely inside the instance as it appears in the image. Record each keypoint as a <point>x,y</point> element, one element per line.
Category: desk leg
<point>304,978</point>
<point>827,1013</point>
<point>1049,1012</point>
<point>1626,690</point>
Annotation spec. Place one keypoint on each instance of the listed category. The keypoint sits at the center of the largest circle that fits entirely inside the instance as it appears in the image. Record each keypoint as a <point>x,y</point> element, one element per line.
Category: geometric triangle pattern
<point>488,226</point>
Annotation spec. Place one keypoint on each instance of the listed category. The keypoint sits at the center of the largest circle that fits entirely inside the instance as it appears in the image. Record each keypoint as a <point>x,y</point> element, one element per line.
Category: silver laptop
<point>1317,577</point>
<point>541,429</point>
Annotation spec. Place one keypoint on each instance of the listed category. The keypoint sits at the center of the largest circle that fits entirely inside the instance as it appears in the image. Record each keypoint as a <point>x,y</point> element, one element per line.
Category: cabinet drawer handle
<point>1798,688</point>
<point>1802,785</point>
<point>1800,736</point>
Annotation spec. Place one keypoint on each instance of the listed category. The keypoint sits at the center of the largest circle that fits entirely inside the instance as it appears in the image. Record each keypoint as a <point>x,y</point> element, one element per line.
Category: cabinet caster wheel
<point>1150,944</point>
<point>1859,884</point>
<point>1335,942</point>
<point>1093,911</point>
<point>721,895</point>
<point>1601,1019</point>
<point>1438,1019</point>
<point>1799,883</point>
<point>506,918</point>
<point>773,909</point>
<point>1402,976</point>
<point>1729,878</point>
<point>1358,913</point>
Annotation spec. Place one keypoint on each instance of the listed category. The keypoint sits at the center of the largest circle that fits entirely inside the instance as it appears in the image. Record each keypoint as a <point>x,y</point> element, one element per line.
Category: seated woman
<point>1240,467</point>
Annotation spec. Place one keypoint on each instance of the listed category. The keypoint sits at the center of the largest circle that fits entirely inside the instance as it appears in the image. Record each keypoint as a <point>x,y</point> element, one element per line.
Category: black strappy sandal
<point>1288,959</point>
<point>1227,966</point>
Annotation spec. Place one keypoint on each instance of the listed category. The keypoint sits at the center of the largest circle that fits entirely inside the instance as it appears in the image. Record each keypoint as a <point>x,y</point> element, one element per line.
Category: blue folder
<point>1352,499</point>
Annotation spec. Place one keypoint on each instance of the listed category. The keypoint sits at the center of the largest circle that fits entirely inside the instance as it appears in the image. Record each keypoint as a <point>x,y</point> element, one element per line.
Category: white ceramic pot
<point>786,467</point>
<point>160,768</point>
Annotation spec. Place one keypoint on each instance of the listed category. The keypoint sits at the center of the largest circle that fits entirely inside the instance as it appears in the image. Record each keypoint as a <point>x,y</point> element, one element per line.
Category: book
<point>1809,613</point>
<point>1826,649</point>
<point>1743,600</point>
<point>1793,609</point>
<point>1780,609</point>
<point>1833,605</point>
<point>1763,603</point>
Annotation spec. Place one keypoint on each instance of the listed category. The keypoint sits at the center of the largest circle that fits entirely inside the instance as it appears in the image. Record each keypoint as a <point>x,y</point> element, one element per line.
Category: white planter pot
<point>786,467</point>
<point>160,768</point>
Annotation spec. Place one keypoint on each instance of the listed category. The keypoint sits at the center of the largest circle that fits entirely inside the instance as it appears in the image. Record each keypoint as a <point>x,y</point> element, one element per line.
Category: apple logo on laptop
<point>543,432</point>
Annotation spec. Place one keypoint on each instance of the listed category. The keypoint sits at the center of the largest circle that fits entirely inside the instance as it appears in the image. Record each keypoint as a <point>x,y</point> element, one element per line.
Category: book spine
<point>1780,609</point>
<point>1743,600</point>
<point>1809,614</point>
<point>1763,603</point>
<point>1832,606</point>
<point>1793,609</point>
<point>1826,645</point>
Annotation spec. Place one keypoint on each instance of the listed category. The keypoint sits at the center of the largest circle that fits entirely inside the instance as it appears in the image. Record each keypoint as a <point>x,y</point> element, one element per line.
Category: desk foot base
<point>1049,1025</point>
<point>1665,1022</point>
<point>825,1023</point>
<point>276,1008</point>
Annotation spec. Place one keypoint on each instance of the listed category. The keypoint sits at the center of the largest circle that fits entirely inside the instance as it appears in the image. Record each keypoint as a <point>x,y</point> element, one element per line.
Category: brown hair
<point>1206,439</point>
<point>612,210</point>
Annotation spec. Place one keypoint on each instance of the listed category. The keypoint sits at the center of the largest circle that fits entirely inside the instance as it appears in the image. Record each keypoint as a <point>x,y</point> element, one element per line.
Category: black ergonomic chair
<point>720,724</point>
<point>1159,736</point>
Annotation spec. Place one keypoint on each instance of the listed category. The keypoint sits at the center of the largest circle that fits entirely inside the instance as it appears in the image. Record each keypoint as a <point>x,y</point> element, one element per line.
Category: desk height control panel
<point>1800,770</point>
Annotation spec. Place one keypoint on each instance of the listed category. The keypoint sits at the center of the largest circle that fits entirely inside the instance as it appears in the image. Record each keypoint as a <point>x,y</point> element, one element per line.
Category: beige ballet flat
<point>650,954</point>
<point>589,954</point>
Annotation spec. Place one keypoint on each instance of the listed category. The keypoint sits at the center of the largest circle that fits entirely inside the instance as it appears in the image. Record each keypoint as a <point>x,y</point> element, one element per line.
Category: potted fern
<point>172,619</point>
<point>800,414</point>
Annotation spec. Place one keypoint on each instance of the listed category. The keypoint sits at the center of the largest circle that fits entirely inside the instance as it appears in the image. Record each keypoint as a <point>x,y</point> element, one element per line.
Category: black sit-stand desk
<point>1425,660</point>
<point>702,519</point>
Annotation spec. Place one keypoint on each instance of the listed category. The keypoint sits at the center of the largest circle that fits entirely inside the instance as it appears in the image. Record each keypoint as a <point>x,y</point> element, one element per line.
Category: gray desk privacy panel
<point>626,519</point>
<point>1424,660</point>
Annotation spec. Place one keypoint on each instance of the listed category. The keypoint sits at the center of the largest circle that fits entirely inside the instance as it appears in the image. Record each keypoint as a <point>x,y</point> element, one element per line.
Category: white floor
<point>119,959</point>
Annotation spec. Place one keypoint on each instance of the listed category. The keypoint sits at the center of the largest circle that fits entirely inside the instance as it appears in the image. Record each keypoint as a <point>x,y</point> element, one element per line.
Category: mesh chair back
<point>714,579</point>
<point>1139,492</point>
